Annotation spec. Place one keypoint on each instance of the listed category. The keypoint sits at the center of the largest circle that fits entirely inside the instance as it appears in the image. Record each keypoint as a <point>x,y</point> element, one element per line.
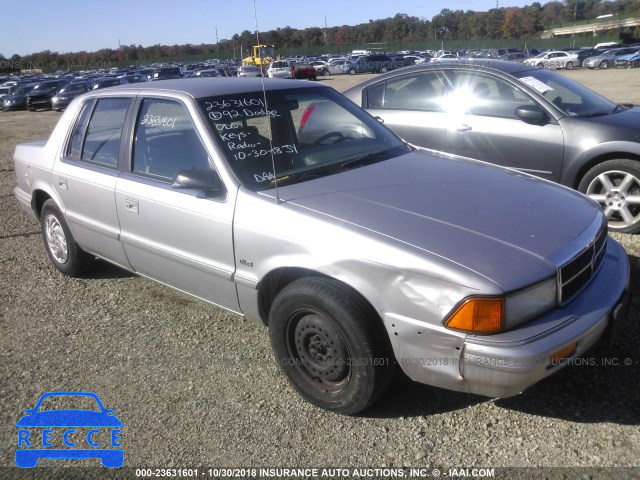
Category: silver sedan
<point>291,206</point>
<point>533,120</point>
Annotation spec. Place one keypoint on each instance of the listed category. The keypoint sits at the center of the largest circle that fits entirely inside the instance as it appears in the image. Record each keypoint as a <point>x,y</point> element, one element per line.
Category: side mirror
<point>532,114</point>
<point>207,181</point>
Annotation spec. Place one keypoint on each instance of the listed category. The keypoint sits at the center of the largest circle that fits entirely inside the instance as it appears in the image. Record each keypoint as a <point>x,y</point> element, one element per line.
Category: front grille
<point>575,274</point>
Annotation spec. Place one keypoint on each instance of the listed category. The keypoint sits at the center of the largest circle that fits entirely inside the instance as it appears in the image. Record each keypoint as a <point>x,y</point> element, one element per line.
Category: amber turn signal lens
<point>478,315</point>
<point>563,353</point>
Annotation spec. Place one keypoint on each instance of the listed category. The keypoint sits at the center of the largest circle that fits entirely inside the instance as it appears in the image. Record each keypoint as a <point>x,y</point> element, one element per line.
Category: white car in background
<point>336,67</point>
<point>322,67</point>
<point>553,60</point>
<point>279,69</point>
<point>249,71</point>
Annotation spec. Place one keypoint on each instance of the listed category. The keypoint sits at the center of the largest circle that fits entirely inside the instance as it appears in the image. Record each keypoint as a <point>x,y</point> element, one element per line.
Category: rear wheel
<point>63,251</point>
<point>569,66</point>
<point>352,71</point>
<point>615,184</point>
<point>330,344</point>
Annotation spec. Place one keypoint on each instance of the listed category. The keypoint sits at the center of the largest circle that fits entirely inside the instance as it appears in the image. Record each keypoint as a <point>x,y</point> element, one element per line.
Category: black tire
<point>352,71</point>
<point>611,184</point>
<point>325,72</point>
<point>63,251</point>
<point>569,66</point>
<point>330,344</point>
<point>604,64</point>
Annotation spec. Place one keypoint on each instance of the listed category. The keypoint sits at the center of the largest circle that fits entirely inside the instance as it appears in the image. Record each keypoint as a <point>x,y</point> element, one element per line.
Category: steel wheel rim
<point>56,239</point>
<point>619,194</point>
<point>318,351</point>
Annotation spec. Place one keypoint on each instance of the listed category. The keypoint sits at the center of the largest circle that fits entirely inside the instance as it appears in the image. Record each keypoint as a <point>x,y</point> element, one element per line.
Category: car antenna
<point>266,109</point>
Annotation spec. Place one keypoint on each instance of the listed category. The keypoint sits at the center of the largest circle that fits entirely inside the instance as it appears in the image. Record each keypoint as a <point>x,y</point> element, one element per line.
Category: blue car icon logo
<point>85,432</point>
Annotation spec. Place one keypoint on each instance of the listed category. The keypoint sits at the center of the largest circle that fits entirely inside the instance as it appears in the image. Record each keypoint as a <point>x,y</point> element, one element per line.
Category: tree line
<point>498,23</point>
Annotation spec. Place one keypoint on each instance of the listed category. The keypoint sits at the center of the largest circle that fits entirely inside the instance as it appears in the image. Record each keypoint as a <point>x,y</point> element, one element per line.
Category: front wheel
<point>604,64</point>
<point>65,254</point>
<point>330,344</point>
<point>615,184</point>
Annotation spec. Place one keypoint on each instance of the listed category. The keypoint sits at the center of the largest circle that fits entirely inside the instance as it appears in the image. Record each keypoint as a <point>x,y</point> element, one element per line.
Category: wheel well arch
<point>38,198</point>
<point>273,283</point>
<point>600,159</point>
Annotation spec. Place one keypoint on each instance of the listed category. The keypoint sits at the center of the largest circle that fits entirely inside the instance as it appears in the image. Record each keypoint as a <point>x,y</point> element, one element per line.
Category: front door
<point>170,235</point>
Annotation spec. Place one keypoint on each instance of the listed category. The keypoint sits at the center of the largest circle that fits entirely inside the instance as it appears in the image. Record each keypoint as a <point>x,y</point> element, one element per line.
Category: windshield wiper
<point>621,106</point>
<point>365,159</point>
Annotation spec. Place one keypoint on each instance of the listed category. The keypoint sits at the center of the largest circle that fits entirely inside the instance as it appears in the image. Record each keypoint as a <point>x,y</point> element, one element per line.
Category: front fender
<point>394,278</point>
<point>594,154</point>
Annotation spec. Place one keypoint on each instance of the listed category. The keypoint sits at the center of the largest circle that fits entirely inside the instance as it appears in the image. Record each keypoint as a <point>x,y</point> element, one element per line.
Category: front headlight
<point>487,315</point>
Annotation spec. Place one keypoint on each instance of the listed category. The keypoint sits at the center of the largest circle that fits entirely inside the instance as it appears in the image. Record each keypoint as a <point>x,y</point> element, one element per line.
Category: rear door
<point>86,175</point>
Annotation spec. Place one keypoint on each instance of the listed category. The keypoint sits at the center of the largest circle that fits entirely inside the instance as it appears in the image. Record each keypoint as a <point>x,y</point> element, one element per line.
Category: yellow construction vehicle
<point>261,57</point>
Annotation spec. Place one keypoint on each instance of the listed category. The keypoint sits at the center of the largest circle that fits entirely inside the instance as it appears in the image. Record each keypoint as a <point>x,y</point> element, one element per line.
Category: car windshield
<point>75,87</point>
<point>571,97</point>
<point>69,402</point>
<point>296,135</point>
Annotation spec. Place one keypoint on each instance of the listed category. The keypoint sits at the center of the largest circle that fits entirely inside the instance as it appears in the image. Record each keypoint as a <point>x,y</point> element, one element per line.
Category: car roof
<point>475,64</point>
<point>210,86</point>
<point>471,64</point>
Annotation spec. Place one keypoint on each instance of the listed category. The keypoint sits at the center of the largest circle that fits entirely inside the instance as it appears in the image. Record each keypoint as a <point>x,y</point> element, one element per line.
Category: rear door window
<point>103,125</point>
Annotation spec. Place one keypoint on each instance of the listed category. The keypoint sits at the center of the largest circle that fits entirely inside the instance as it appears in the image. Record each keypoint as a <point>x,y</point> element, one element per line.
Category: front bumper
<point>39,102</point>
<point>505,364</point>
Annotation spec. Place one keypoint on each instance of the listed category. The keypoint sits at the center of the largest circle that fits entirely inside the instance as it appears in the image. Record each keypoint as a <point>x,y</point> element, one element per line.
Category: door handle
<point>62,183</point>
<point>131,205</point>
<point>463,128</point>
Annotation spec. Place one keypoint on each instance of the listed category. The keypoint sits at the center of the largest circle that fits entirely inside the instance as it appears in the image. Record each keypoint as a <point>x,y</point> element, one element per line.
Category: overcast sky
<point>75,25</point>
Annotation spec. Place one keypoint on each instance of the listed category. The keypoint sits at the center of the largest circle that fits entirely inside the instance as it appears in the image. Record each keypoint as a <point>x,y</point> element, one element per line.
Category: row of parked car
<point>602,57</point>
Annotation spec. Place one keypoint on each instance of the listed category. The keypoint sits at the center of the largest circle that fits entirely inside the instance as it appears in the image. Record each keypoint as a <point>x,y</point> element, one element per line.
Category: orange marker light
<point>478,315</point>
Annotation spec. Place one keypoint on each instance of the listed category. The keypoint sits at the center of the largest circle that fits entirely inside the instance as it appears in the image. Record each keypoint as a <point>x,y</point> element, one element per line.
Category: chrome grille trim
<point>574,275</point>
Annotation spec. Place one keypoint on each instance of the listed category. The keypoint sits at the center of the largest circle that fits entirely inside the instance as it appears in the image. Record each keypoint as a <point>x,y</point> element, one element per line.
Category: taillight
<point>306,114</point>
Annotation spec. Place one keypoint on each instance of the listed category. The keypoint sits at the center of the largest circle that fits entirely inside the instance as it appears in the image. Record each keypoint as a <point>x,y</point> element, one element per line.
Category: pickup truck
<point>359,252</point>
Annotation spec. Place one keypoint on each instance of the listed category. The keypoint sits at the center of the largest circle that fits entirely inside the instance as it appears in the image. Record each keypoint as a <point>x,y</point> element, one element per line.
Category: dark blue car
<point>69,433</point>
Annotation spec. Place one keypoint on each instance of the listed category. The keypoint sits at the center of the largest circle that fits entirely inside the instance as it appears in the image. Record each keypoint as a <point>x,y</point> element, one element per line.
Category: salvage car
<point>302,71</point>
<point>18,98</point>
<point>63,98</point>
<point>39,97</point>
<point>279,69</point>
<point>554,60</point>
<point>534,120</point>
<point>607,58</point>
<point>359,252</point>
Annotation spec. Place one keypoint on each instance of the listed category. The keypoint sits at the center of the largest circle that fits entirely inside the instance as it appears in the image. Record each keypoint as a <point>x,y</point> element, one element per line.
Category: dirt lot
<point>196,387</point>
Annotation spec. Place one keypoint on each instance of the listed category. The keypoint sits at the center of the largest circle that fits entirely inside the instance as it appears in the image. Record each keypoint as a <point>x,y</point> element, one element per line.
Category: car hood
<point>497,222</point>
<point>69,418</point>
<point>627,119</point>
<point>43,91</point>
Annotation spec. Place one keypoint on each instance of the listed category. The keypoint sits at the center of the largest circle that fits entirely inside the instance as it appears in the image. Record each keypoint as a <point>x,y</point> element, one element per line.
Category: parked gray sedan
<point>534,120</point>
<point>358,252</point>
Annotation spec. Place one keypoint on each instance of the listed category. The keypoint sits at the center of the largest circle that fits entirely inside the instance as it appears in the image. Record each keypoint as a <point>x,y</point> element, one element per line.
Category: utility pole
<point>573,34</point>
<point>325,31</point>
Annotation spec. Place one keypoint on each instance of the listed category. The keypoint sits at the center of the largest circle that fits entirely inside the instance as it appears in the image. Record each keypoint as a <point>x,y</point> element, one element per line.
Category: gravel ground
<point>197,387</point>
